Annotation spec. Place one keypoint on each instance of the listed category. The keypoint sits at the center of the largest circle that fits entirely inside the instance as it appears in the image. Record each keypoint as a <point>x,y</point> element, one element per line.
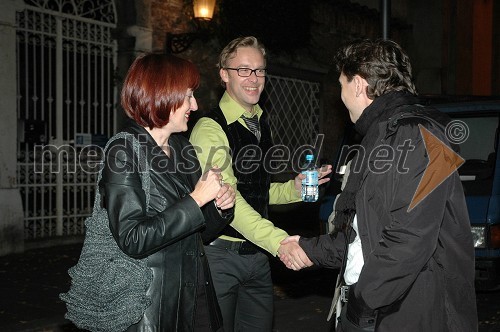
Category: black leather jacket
<point>170,233</point>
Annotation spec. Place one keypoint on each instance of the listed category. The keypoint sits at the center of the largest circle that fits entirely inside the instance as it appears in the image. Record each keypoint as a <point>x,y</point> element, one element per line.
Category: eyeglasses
<point>247,72</point>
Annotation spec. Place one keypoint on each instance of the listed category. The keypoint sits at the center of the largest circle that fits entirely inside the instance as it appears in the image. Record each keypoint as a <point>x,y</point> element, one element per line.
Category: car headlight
<point>478,236</point>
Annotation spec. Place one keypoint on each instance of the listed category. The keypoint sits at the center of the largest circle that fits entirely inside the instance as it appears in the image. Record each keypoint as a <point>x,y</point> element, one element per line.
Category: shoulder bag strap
<point>142,163</point>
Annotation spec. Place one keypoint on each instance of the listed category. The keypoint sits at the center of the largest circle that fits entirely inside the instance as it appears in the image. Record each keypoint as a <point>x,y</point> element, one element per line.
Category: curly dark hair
<point>382,63</point>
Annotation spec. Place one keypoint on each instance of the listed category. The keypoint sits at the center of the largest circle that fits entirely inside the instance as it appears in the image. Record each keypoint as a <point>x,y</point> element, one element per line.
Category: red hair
<point>155,85</point>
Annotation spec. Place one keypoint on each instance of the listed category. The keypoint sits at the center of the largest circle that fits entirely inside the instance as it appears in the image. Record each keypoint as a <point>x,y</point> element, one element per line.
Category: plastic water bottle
<point>310,183</point>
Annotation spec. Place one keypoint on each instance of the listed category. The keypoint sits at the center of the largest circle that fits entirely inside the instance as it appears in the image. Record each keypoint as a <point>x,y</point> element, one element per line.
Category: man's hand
<point>322,172</point>
<point>292,255</point>
<point>225,197</point>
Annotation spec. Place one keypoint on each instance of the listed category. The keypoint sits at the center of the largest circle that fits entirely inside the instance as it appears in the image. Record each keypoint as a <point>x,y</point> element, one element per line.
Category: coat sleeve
<point>216,221</point>
<point>326,250</point>
<point>137,233</point>
<point>409,236</point>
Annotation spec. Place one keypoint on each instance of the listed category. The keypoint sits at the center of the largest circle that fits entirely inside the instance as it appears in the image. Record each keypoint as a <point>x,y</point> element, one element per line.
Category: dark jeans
<point>244,289</point>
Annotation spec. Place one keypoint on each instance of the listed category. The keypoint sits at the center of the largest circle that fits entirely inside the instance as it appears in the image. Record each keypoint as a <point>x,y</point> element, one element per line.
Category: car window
<point>479,150</point>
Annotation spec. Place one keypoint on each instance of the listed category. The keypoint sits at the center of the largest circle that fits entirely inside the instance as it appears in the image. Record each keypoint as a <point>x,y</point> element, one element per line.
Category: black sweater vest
<point>249,166</point>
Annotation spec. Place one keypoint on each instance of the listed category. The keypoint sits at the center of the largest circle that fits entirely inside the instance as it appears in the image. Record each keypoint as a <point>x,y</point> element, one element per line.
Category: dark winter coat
<point>418,272</point>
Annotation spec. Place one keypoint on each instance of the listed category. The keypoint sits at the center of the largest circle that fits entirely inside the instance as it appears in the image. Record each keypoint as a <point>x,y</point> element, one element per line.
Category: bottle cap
<point>309,157</point>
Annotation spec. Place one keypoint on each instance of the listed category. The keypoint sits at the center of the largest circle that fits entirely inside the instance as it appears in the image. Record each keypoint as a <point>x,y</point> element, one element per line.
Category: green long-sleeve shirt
<point>212,148</point>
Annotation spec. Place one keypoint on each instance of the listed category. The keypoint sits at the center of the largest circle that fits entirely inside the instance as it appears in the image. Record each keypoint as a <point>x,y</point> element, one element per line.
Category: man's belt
<point>241,247</point>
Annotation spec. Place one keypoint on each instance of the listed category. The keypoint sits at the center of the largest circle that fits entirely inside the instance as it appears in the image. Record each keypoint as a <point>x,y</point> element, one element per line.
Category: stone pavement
<point>31,282</point>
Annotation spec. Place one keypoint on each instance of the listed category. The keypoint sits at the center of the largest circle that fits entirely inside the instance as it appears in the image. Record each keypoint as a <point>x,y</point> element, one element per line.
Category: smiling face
<point>178,120</point>
<point>244,90</point>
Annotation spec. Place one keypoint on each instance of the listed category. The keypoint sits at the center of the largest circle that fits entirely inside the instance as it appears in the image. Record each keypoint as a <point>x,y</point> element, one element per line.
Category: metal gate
<point>293,106</point>
<point>66,108</point>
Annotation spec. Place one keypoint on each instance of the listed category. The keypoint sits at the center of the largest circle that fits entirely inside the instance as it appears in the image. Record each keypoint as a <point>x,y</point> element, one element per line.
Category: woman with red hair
<point>168,223</point>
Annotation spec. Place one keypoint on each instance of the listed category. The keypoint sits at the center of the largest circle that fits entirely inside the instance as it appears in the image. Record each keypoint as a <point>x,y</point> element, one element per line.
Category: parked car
<point>475,127</point>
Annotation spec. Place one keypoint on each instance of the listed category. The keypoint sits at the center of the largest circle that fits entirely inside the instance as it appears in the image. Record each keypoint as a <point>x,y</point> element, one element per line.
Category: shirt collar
<point>233,111</point>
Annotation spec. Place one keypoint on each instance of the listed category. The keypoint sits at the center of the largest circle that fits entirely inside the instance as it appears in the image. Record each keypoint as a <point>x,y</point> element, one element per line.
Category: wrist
<point>197,199</point>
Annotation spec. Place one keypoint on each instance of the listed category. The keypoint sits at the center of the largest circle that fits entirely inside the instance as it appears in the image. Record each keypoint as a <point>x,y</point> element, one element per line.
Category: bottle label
<point>310,186</point>
<point>311,178</point>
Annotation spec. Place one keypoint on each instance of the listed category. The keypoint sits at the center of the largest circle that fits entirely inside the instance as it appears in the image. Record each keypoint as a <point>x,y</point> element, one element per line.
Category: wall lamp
<point>203,13</point>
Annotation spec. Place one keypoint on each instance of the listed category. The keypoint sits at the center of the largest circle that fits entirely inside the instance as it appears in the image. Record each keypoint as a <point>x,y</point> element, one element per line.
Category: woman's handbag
<point>108,289</point>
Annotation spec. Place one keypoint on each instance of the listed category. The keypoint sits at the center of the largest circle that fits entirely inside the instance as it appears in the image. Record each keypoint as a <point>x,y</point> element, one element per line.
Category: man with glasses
<point>236,137</point>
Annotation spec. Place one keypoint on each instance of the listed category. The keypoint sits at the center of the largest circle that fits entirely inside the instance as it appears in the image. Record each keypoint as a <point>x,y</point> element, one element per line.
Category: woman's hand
<point>225,197</point>
<point>208,187</point>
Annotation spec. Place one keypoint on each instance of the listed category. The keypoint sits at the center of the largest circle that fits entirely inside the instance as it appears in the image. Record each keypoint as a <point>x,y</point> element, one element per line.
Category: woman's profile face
<point>178,120</point>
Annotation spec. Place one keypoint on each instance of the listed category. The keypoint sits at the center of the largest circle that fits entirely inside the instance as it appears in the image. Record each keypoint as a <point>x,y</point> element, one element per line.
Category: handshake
<point>292,255</point>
